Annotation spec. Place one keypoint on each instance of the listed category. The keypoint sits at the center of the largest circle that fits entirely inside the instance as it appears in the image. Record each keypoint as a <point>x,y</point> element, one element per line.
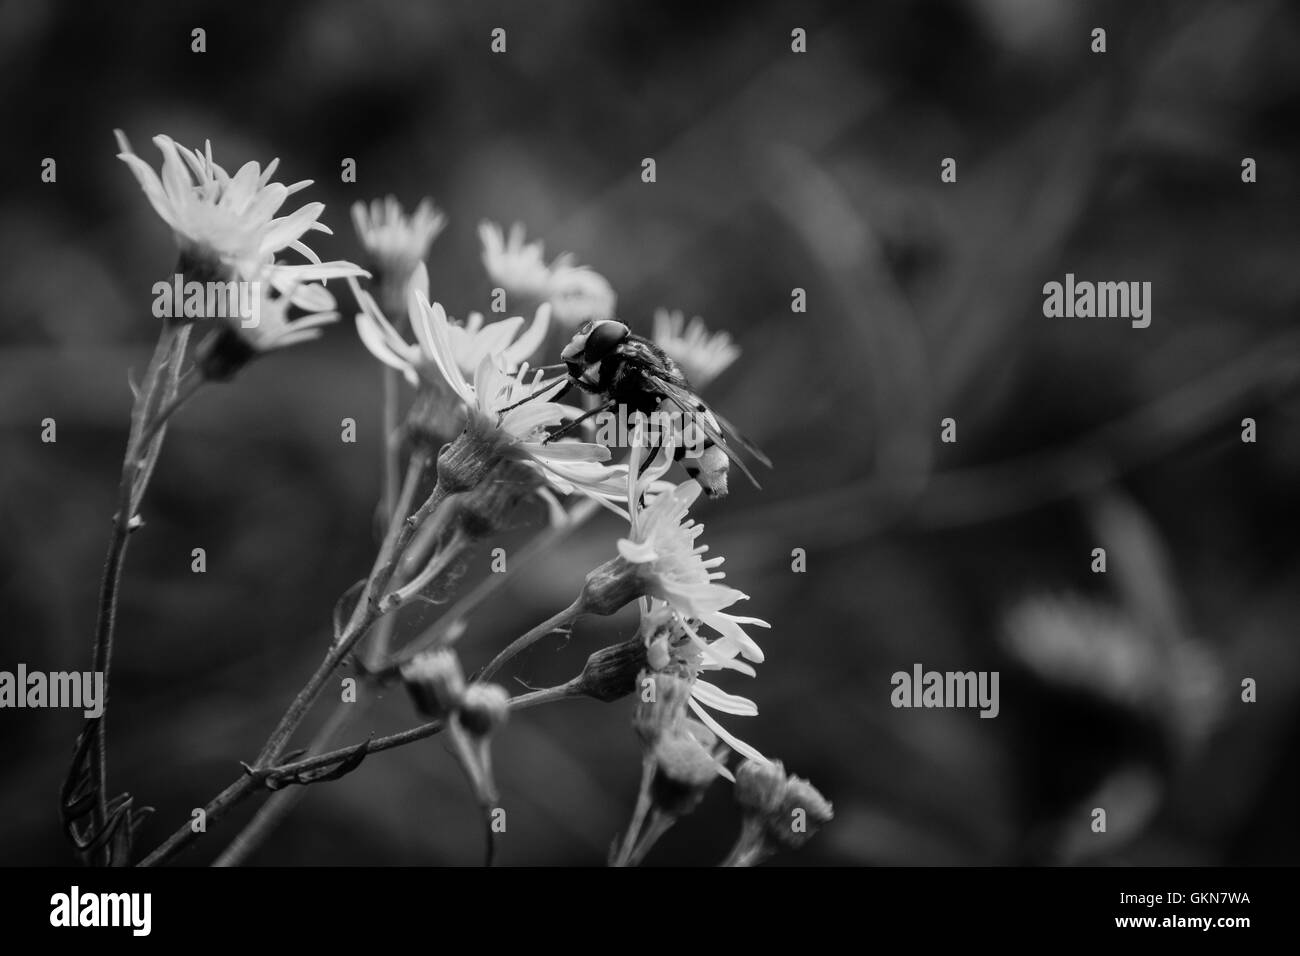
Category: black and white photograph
<point>783,436</point>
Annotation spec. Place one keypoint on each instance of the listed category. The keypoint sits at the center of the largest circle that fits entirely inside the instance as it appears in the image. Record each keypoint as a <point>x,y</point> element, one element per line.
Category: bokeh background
<point>775,171</point>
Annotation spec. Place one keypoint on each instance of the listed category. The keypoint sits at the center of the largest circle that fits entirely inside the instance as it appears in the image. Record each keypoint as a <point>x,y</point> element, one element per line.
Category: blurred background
<point>776,171</point>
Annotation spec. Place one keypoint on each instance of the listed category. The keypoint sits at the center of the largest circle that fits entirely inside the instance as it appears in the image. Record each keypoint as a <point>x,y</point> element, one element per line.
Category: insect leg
<point>564,429</point>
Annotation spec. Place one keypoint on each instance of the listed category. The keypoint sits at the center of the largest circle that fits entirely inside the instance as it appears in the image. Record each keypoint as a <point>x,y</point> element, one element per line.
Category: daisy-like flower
<point>240,339</point>
<point>395,242</point>
<point>663,628</point>
<point>514,408</point>
<point>576,293</point>
<point>517,266</point>
<point>579,294</point>
<point>470,343</point>
<point>662,546</point>
<point>226,226</point>
<point>702,356</point>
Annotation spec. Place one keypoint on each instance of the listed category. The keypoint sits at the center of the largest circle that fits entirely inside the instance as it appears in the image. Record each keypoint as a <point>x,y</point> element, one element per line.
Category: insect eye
<point>603,339</point>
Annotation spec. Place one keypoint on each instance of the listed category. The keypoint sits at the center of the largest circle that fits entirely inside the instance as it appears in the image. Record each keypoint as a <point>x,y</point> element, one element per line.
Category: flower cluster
<point>688,625</point>
<point>487,428</point>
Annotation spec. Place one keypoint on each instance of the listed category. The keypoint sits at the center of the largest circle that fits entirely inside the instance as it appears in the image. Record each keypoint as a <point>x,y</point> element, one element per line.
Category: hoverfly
<point>607,359</point>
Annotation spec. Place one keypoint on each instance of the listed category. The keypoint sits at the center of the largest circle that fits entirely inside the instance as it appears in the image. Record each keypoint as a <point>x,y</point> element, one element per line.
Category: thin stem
<point>542,543</point>
<point>432,571</point>
<point>160,374</point>
<point>188,384</point>
<point>557,621</point>
<point>546,695</point>
<point>659,824</point>
<point>392,452</point>
<point>217,808</point>
<point>750,847</point>
<point>249,783</point>
<point>392,443</point>
<point>282,802</point>
<point>639,813</point>
<point>363,615</point>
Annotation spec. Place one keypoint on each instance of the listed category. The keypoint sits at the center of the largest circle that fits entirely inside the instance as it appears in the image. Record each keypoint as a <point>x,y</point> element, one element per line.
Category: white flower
<point>241,338</point>
<point>396,242</point>
<point>703,357</point>
<point>469,344</point>
<point>576,293</point>
<point>227,223</point>
<point>658,617</point>
<point>515,265</point>
<point>663,546</point>
<point>275,330</point>
<point>498,397</point>
<point>579,294</point>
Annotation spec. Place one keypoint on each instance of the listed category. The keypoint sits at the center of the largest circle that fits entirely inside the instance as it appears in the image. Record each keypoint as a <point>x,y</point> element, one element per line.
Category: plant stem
<point>639,813</point>
<point>658,824</point>
<point>282,802</point>
<point>546,695</point>
<point>555,622</point>
<point>582,512</point>
<point>188,384</point>
<point>158,387</point>
<point>249,783</point>
<point>363,614</point>
<point>222,803</point>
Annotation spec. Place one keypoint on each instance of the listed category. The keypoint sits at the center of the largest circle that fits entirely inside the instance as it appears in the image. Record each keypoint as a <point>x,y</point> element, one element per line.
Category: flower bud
<point>684,770</point>
<point>612,586</point>
<point>760,786</point>
<point>803,811</point>
<point>610,673</point>
<point>464,463</point>
<point>484,708</point>
<point>485,509</point>
<point>435,682</point>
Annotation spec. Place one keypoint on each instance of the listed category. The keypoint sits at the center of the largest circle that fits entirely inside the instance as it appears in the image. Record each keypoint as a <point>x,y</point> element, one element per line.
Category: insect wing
<point>695,410</point>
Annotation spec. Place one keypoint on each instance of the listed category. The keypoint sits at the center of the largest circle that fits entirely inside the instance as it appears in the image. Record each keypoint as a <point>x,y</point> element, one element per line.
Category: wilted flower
<point>576,293</point>
<point>225,225</point>
<point>701,355</point>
